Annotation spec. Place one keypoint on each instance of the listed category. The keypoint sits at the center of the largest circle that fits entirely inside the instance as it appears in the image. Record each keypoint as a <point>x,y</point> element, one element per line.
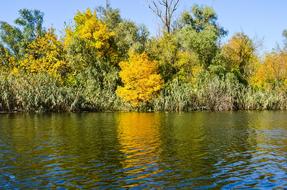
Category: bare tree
<point>164,9</point>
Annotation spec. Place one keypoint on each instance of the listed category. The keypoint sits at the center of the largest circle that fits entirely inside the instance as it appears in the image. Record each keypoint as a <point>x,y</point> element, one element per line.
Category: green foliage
<point>203,43</point>
<point>177,96</point>
<point>165,51</point>
<point>238,56</point>
<point>199,32</point>
<point>95,87</point>
<point>128,35</point>
<point>33,92</point>
<point>199,19</point>
<point>28,27</point>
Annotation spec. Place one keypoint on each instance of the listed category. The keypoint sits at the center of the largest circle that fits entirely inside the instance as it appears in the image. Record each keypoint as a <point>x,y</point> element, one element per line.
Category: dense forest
<point>103,62</point>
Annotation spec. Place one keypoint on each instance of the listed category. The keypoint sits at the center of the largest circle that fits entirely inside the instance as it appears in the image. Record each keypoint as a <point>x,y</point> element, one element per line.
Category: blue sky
<point>262,20</point>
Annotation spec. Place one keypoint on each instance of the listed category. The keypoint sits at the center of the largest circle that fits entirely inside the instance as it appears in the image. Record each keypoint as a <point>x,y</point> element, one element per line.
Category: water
<point>144,150</point>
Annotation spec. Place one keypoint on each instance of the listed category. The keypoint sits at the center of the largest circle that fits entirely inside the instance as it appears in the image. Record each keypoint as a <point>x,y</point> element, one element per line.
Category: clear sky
<point>260,19</point>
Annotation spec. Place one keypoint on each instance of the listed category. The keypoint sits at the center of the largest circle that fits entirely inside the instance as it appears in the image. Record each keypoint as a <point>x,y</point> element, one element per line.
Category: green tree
<point>93,58</point>
<point>199,32</point>
<point>238,56</point>
<point>165,50</point>
<point>201,18</point>
<point>128,35</point>
<point>28,27</point>
<point>204,43</point>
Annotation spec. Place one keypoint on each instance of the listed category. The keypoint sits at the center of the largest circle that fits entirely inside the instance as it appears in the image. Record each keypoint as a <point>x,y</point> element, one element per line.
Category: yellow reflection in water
<point>139,137</point>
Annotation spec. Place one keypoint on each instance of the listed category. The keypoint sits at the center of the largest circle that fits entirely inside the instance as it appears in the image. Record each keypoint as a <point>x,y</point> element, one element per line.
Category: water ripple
<point>144,151</point>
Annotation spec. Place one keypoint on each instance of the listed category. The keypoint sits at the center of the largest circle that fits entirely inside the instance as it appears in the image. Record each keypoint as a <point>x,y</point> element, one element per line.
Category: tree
<point>11,38</point>
<point>7,61</point>
<point>199,32</point>
<point>239,55</point>
<point>272,73</point>
<point>200,18</point>
<point>140,78</point>
<point>92,33</point>
<point>164,10</point>
<point>174,61</point>
<point>93,56</point>
<point>204,43</point>
<point>45,54</point>
<point>165,50</point>
<point>29,26</point>
<point>127,35</point>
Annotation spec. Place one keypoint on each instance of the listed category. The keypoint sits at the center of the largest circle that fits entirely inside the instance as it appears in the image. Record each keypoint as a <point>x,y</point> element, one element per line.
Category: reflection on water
<point>139,137</point>
<point>145,150</point>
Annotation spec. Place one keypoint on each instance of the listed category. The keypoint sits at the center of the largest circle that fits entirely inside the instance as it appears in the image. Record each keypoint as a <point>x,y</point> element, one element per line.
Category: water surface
<point>144,150</point>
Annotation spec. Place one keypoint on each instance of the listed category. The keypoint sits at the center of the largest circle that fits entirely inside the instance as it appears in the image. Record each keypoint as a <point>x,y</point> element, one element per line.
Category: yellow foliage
<point>239,52</point>
<point>7,61</point>
<point>45,54</point>
<point>272,71</point>
<point>14,71</point>
<point>140,78</point>
<point>68,37</point>
<point>93,31</point>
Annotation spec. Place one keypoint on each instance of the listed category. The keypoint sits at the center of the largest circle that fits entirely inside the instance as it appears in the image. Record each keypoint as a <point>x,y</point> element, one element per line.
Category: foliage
<point>200,33</point>
<point>238,55</point>
<point>165,51</point>
<point>272,73</point>
<point>203,43</point>
<point>93,33</point>
<point>6,59</point>
<point>33,92</point>
<point>28,27</point>
<point>201,18</point>
<point>107,63</point>
<point>45,54</point>
<point>140,78</point>
<point>127,35</point>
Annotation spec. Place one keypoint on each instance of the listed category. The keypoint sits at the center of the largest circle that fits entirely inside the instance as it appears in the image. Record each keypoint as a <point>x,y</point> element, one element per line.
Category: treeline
<point>106,63</point>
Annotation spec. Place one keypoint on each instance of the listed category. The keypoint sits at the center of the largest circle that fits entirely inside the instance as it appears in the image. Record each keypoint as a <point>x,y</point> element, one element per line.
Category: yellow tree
<point>93,32</point>
<point>140,78</point>
<point>272,72</point>
<point>45,54</point>
<point>7,60</point>
<point>239,54</point>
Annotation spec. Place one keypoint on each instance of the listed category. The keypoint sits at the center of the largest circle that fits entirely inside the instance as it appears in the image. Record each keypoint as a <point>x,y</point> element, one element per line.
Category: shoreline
<point>154,112</point>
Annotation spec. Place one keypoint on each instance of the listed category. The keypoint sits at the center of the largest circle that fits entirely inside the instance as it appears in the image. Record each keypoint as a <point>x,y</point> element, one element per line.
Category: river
<point>200,150</point>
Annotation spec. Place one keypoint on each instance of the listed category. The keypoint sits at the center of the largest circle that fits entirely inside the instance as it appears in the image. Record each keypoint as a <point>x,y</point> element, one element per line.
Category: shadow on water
<point>145,150</point>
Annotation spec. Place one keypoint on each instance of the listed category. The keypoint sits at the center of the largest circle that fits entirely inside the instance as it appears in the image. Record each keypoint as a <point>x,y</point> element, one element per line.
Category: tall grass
<point>218,94</point>
<point>33,93</point>
<point>42,93</point>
